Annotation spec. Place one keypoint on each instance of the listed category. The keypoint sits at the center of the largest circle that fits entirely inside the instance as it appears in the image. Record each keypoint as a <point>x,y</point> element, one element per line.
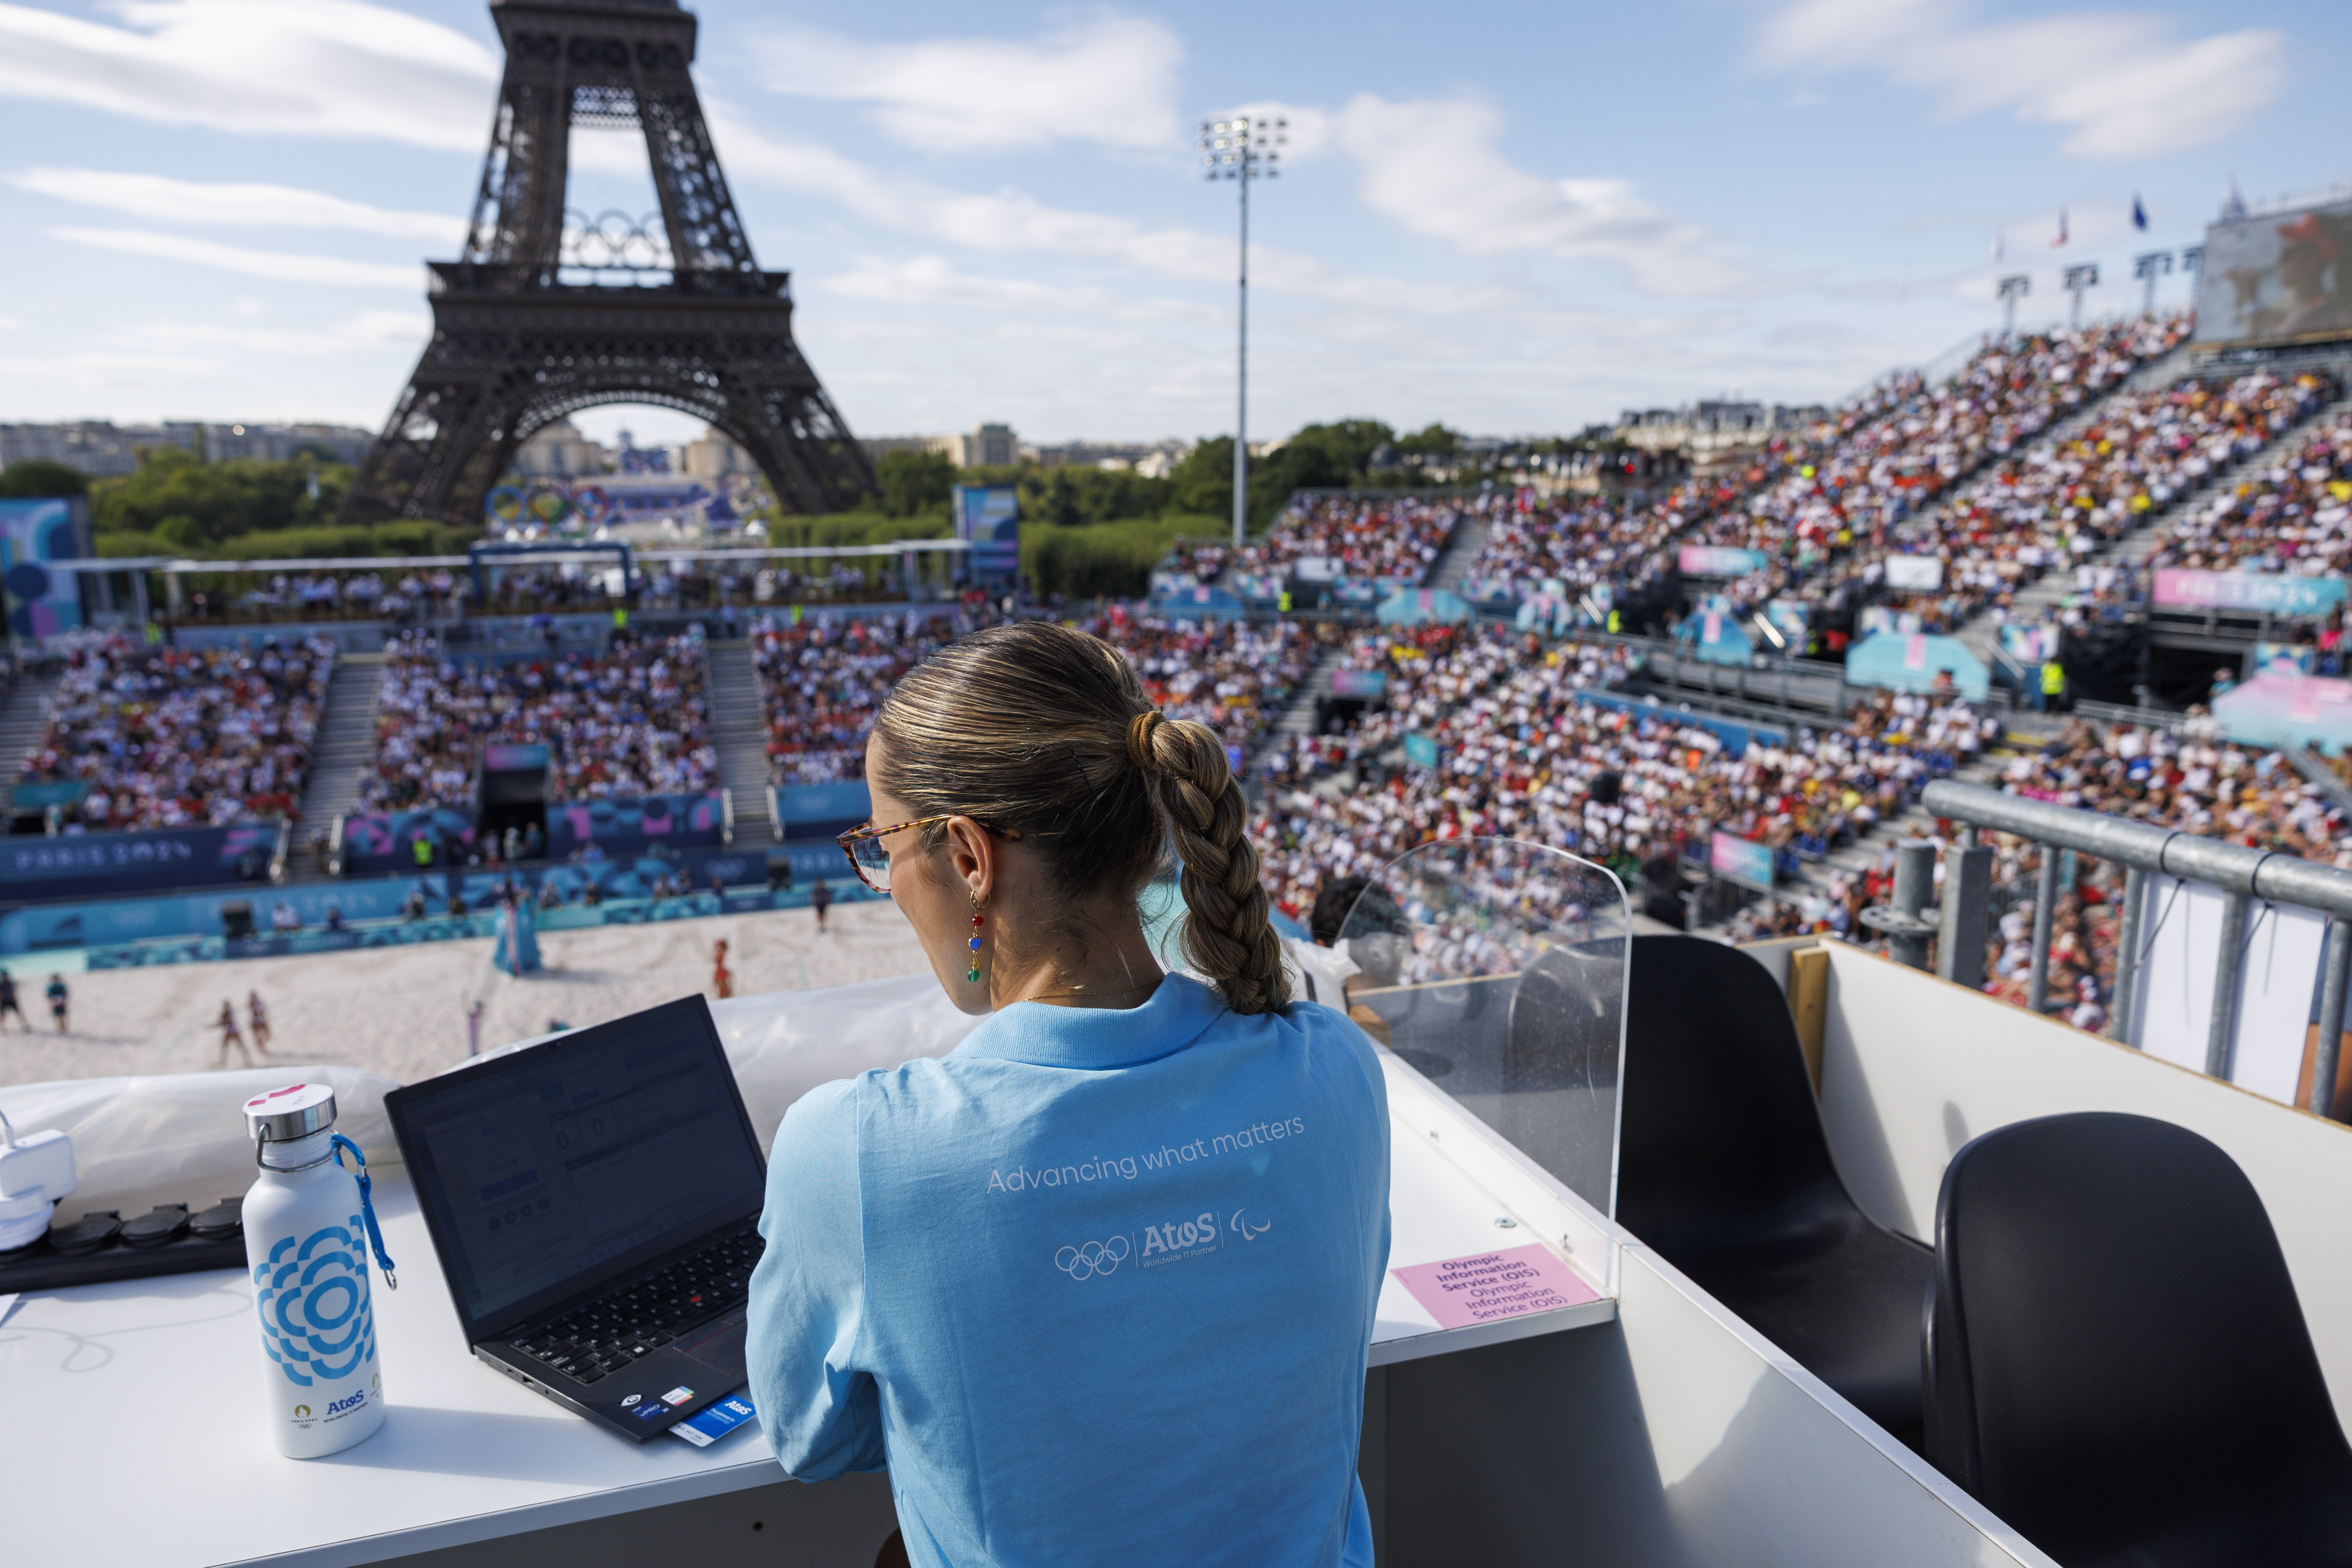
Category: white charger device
<point>34,1172</point>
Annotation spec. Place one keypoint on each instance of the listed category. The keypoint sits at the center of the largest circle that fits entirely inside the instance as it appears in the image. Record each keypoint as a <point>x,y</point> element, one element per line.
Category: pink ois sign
<point>1461,1291</point>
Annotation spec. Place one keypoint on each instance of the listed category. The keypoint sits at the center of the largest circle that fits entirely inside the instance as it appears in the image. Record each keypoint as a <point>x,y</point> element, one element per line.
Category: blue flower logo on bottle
<point>317,1322</point>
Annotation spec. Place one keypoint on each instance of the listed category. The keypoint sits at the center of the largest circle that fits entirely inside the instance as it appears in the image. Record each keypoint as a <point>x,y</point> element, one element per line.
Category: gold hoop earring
<point>972,973</point>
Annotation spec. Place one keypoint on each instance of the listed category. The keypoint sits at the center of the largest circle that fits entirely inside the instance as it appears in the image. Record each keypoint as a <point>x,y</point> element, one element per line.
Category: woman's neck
<point>1110,967</point>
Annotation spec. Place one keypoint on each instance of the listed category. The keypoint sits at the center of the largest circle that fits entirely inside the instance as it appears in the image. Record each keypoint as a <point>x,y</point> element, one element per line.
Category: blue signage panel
<point>824,811</point>
<point>76,865</point>
<point>42,601</point>
<point>989,517</point>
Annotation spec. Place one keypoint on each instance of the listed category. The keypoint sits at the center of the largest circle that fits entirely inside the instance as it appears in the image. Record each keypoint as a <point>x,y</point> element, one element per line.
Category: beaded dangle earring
<point>972,975</point>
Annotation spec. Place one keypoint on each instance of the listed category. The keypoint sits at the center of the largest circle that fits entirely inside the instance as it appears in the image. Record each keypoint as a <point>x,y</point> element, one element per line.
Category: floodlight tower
<point>2147,266</point>
<point>2012,288</point>
<point>1242,148</point>
<point>2078,278</point>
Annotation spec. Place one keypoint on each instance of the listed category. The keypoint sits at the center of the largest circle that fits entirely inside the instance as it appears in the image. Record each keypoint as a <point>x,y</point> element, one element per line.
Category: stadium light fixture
<point>2193,261</point>
<point>2078,278</point>
<point>2010,290</point>
<point>2147,266</point>
<point>1242,148</point>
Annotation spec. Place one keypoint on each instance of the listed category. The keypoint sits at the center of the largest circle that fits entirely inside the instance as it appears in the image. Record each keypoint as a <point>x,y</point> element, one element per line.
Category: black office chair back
<point>2116,1363</point>
<point>1721,1142</point>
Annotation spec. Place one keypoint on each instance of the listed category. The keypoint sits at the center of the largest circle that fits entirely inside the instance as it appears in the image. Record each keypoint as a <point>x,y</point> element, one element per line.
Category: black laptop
<point>595,1200</point>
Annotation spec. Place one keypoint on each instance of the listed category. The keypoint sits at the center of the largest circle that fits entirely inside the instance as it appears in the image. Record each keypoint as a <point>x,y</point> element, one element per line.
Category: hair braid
<point>1229,937</point>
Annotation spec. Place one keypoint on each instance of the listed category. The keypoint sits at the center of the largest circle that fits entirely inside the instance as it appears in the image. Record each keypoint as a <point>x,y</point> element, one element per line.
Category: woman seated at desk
<point>1097,1286</point>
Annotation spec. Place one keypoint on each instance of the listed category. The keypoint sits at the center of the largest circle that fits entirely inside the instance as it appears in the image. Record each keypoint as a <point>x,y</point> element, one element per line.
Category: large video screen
<point>2277,277</point>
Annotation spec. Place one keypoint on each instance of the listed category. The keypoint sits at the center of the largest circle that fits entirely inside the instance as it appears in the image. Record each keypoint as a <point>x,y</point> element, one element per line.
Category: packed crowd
<point>1522,750</point>
<point>2061,500</point>
<point>821,680</point>
<point>1825,506</point>
<point>1232,676</point>
<point>1827,523</point>
<point>1581,543</point>
<point>2190,779</point>
<point>629,722</point>
<point>2294,515</point>
<point>1395,537</point>
<point>183,738</point>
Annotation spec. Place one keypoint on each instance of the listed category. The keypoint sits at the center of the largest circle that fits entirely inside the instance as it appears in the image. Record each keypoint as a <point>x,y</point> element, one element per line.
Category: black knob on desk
<point>87,1234</point>
<point>158,1226</point>
<point>224,1221</point>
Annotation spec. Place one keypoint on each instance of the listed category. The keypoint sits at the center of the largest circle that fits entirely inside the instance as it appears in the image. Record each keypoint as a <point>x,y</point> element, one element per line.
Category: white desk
<point>146,1391</point>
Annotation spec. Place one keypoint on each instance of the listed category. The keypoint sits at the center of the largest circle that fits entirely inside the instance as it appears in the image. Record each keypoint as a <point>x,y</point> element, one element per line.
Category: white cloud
<point>2123,83</point>
<point>1433,167</point>
<point>927,280</point>
<point>10,324</point>
<point>278,265</point>
<point>333,67</point>
<point>366,331</point>
<point>1009,223</point>
<point>1110,79</point>
<point>249,205</point>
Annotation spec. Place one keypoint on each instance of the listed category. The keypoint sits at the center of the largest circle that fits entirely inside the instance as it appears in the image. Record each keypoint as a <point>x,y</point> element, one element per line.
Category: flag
<point>2062,230</point>
<point>2140,214</point>
<point>2233,207</point>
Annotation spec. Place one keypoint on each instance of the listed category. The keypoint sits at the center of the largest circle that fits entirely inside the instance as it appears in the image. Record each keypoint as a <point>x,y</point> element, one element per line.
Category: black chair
<point>2116,1363</point>
<point>1724,1169</point>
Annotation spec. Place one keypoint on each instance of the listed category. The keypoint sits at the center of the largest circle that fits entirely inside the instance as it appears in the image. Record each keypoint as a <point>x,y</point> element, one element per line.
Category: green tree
<point>1349,443</point>
<point>1203,481</point>
<point>1434,441</point>
<point>222,501</point>
<point>914,482</point>
<point>37,477</point>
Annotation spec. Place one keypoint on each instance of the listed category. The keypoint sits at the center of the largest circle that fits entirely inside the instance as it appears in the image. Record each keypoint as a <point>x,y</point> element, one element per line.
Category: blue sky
<point>1510,218</point>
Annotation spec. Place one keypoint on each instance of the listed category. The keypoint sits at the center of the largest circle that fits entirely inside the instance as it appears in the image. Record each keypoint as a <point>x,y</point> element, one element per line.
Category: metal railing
<point>2245,874</point>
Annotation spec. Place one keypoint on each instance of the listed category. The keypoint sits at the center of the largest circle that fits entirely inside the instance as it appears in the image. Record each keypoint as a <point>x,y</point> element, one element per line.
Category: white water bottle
<point>307,1224</point>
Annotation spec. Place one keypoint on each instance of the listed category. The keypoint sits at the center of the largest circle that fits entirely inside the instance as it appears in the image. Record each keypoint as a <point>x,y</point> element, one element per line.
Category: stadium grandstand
<point>2062,499</point>
<point>180,738</point>
<point>2292,515</point>
<point>632,720</point>
<point>821,680</point>
<point>1838,504</point>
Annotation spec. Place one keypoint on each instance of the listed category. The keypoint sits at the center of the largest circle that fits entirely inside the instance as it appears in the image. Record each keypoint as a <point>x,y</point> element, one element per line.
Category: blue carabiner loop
<point>367,1206</point>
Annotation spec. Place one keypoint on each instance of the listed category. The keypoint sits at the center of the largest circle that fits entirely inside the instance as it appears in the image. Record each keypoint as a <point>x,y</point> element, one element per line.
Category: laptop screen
<point>538,1169</point>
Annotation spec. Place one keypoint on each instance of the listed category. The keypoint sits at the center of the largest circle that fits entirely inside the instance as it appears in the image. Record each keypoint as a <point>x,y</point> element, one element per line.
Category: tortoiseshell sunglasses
<point>868,858</point>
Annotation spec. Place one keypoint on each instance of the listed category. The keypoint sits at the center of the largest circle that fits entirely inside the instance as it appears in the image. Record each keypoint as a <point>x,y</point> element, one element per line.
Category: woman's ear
<point>971,854</point>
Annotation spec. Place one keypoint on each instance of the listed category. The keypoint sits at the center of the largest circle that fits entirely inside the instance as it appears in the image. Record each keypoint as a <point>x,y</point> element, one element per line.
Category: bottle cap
<point>295,1111</point>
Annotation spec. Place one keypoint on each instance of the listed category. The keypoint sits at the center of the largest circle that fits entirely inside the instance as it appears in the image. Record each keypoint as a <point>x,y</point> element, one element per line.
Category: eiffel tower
<point>549,311</point>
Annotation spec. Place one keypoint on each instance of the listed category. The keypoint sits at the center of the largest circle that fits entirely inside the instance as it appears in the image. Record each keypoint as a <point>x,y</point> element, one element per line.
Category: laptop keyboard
<point>593,1341</point>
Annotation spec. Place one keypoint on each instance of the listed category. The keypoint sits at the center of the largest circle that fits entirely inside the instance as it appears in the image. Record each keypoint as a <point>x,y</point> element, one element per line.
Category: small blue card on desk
<point>710,1426</point>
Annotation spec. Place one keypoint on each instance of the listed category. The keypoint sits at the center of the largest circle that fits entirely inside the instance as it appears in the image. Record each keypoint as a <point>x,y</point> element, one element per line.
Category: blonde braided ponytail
<point>1229,936</point>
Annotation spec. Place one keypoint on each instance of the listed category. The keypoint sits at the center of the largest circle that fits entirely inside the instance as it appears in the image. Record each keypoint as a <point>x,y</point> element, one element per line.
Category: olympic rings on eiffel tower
<point>591,503</point>
<point>614,241</point>
<point>504,504</point>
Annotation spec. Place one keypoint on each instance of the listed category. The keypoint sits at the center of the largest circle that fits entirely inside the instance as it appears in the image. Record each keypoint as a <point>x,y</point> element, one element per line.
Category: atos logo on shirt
<point>1174,1236</point>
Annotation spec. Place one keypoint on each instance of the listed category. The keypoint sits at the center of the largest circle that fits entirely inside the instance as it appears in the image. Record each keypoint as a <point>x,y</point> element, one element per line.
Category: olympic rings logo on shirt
<point>1095,1257</point>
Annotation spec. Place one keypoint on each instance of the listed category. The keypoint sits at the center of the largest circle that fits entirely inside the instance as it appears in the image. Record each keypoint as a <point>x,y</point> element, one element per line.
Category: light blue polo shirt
<point>1095,1288</point>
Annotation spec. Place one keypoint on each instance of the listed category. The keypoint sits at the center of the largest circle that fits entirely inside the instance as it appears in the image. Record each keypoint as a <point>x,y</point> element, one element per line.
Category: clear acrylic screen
<point>1498,968</point>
